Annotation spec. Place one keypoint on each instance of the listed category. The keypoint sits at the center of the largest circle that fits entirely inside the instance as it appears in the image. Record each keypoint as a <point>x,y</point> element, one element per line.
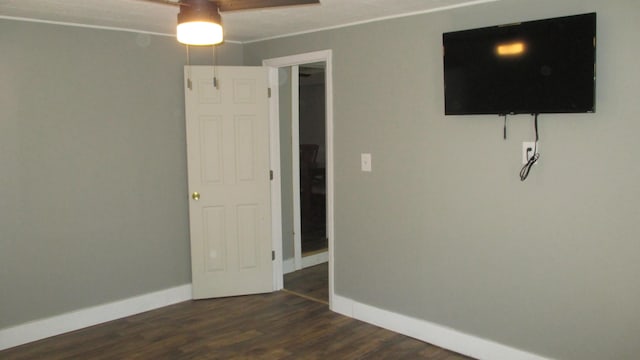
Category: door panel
<point>248,225</point>
<point>215,253</point>
<point>211,141</point>
<point>244,130</point>
<point>228,166</point>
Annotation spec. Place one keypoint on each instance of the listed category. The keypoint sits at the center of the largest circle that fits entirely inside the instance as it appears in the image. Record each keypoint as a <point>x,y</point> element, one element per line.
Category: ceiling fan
<point>199,21</point>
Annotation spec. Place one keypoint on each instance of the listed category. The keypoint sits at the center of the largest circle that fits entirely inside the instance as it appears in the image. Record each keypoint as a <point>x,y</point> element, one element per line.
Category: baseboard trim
<point>429,332</point>
<point>60,324</point>
<point>315,259</point>
<point>288,266</point>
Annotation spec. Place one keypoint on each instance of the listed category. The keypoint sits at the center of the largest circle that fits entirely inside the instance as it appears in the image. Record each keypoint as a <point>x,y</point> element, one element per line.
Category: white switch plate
<point>528,145</point>
<point>365,162</point>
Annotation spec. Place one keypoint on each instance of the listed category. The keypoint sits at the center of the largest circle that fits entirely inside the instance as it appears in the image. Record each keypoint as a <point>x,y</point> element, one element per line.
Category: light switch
<point>365,162</point>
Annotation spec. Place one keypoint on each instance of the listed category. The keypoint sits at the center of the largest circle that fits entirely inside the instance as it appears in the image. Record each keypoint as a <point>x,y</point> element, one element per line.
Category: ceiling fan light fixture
<point>199,23</point>
<point>199,33</point>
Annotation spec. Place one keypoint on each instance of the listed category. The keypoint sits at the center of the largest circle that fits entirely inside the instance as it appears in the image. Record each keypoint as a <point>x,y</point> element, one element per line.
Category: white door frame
<point>295,166</point>
<point>276,205</point>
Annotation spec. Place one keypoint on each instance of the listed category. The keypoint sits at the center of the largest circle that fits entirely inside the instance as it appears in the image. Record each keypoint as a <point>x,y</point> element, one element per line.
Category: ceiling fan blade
<point>231,5</point>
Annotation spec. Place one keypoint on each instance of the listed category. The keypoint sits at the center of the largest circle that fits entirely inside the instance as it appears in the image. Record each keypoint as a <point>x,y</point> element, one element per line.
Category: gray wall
<point>93,204</point>
<point>286,168</point>
<point>444,230</point>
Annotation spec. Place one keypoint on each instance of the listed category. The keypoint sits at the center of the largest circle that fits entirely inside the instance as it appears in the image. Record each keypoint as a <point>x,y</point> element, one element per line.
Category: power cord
<point>504,129</point>
<point>524,172</point>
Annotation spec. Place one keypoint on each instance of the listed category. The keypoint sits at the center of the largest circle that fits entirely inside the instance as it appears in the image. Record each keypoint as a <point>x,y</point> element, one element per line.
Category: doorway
<point>308,139</point>
<point>302,159</point>
<point>311,188</point>
<point>311,163</point>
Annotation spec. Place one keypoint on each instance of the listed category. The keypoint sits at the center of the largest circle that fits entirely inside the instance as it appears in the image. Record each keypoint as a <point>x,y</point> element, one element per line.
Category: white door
<point>228,167</point>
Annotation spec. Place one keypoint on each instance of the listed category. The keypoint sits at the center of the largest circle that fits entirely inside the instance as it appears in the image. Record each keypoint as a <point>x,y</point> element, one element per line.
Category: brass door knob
<point>195,195</point>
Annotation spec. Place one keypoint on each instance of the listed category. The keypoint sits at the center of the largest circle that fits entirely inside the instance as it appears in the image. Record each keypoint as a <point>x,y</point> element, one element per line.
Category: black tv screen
<point>542,66</point>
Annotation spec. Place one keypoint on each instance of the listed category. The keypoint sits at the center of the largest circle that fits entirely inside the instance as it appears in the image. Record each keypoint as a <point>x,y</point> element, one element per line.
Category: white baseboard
<point>429,332</point>
<point>420,329</point>
<point>56,325</point>
<point>315,259</point>
<point>288,266</point>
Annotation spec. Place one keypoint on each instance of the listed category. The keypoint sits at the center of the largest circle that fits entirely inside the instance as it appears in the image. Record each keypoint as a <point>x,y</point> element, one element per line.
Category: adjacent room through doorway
<point>312,161</point>
<point>303,159</point>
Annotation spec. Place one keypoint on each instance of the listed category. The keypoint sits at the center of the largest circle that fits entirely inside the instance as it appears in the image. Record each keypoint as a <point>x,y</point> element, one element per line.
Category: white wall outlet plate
<point>365,162</point>
<point>528,149</point>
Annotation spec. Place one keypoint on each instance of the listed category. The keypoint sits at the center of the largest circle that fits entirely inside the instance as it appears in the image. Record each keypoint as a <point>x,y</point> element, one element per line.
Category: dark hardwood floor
<point>312,282</point>
<point>270,326</point>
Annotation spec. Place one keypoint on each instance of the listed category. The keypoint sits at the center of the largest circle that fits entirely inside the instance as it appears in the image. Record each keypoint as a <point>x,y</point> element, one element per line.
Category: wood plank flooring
<point>269,326</point>
<point>312,282</point>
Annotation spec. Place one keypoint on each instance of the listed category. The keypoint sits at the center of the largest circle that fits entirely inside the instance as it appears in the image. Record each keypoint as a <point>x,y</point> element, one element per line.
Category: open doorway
<point>303,122</point>
<point>303,160</point>
<point>312,163</point>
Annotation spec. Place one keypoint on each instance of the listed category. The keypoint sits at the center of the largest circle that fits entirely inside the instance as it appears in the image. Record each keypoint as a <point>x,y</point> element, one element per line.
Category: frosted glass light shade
<point>199,33</point>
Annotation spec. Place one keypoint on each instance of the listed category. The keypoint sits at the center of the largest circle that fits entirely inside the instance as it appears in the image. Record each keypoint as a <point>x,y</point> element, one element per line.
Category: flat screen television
<point>542,66</point>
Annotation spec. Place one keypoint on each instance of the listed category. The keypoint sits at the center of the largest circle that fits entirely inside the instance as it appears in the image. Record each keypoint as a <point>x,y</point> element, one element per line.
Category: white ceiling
<point>241,26</point>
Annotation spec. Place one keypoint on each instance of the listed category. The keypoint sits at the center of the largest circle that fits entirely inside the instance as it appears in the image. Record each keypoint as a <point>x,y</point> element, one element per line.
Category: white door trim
<point>276,194</point>
<point>273,65</point>
<point>295,166</point>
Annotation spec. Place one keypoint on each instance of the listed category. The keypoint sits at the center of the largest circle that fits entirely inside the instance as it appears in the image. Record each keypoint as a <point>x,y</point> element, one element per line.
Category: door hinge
<point>269,92</point>
<point>273,255</point>
<point>189,84</point>
<point>270,174</point>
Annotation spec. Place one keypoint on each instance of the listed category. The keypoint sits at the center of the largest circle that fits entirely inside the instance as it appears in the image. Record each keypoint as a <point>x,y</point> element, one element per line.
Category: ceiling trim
<point>110,28</point>
<point>438,9</point>
<point>64,23</point>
